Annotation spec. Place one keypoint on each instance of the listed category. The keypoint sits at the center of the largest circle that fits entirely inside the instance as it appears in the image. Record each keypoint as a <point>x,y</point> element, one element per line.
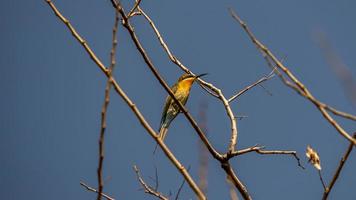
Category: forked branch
<point>148,189</point>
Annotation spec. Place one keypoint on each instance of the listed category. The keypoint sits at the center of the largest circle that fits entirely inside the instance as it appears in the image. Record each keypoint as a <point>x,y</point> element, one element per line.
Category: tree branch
<point>261,80</point>
<point>148,189</point>
<point>94,190</point>
<point>322,180</point>
<point>258,149</point>
<point>105,107</point>
<point>338,170</point>
<point>131,13</point>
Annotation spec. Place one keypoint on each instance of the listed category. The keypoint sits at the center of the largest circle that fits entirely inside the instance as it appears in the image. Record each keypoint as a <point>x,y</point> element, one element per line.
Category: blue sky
<point>52,95</point>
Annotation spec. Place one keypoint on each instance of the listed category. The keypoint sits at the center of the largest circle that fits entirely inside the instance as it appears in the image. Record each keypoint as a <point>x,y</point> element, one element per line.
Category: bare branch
<point>94,190</point>
<point>132,11</point>
<point>261,80</point>
<point>105,107</point>
<point>321,179</point>
<point>337,112</point>
<point>209,91</point>
<point>247,150</point>
<point>338,170</point>
<point>303,91</point>
<point>259,150</point>
<point>148,189</point>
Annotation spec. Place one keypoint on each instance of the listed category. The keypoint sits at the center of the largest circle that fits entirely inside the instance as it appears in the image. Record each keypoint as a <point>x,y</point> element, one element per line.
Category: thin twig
<point>94,190</point>
<point>259,150</point>
<point>322,180</point>
<point>105,107</point>
<point>135,110</point>
<point>261,80</point>
<point>132,11</point>
<point>301,87</point>
<point>148,189</point>
<point>338,170</point>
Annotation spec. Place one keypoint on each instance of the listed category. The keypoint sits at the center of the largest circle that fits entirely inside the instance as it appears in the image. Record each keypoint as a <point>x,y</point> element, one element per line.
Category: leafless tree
<point>277,68</point>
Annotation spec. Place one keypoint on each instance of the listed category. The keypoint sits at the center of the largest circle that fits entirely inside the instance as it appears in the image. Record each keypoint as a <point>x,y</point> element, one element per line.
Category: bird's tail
<point>162,134</point>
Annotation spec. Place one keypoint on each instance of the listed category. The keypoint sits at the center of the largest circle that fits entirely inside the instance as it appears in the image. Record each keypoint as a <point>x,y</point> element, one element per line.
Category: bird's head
<point>186,80</point>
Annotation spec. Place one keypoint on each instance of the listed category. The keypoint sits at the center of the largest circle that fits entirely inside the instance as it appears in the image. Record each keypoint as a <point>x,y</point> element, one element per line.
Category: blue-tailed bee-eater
<point>181,91</point>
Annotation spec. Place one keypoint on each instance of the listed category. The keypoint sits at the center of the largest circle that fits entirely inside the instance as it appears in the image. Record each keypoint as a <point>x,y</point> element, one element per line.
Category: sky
<point>52,94</point>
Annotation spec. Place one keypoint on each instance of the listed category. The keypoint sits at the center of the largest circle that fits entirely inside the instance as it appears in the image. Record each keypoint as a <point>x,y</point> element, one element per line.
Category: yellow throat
<point>186,84</point>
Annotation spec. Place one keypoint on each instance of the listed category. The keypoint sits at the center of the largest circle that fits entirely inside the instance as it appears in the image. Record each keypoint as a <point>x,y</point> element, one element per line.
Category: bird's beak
<point>200,75</point>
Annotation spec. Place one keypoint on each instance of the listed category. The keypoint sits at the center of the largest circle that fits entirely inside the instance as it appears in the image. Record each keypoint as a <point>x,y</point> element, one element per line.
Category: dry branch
<point>258,149</point>
<point>338,170</point>
<point>132,11</point>
<point>148,189</point>
<point>322,180</point>
<point>261,80</point>
<point>105,107</point>
<point>96,191</point>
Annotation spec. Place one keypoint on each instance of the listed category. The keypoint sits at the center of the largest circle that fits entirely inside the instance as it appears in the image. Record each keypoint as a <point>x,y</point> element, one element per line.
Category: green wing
<point>168,103</point>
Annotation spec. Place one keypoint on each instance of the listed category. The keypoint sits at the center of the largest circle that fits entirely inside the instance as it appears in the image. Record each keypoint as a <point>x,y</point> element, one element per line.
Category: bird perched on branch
<point>181,91</point>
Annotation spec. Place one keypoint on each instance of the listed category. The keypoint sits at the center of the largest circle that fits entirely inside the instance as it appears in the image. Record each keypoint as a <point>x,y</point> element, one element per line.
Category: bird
<point>181,90</point>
